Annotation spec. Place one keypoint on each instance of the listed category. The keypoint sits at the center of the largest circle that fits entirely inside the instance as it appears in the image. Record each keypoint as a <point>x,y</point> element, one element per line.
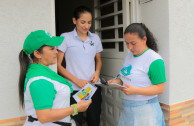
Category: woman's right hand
<point>83,105</point>
<point>81,83</point>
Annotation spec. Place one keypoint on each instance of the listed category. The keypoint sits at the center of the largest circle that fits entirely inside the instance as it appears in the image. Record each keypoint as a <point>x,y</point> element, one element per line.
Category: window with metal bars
<point>109,19</point>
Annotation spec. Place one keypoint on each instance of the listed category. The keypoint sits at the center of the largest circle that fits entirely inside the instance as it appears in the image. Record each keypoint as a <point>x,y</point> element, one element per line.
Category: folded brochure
<point>85,93</point>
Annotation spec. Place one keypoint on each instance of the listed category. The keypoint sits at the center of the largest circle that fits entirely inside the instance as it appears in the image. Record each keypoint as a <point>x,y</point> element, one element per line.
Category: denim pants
<point>141,113</point>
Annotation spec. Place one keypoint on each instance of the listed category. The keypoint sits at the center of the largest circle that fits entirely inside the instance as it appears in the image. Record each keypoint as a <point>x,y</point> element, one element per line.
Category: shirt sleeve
<point>63,46</point>
<point>43,94</point>
<point>156,72</point>
<point>99,45</point>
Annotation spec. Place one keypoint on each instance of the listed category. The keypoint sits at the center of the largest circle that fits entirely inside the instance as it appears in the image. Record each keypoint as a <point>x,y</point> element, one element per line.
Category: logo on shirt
<point>126,70</point>
<point>91,43</point>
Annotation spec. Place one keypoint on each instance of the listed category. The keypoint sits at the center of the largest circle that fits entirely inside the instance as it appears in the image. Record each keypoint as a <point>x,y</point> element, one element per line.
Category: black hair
<point>24,64</point>
<point>142,31</point>
<point>79,10</point>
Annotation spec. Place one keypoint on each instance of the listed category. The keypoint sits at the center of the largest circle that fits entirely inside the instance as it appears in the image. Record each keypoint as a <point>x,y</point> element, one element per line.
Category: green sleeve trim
<point>42,93</point>
<point>156,72</point>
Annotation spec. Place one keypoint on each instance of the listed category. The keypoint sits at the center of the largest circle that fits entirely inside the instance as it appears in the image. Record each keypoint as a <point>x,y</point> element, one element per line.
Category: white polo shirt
<point>79,55</point>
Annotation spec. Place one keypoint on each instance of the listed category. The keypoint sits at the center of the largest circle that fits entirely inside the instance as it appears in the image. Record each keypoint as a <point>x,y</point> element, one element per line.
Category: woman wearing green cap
<point>45,94</point>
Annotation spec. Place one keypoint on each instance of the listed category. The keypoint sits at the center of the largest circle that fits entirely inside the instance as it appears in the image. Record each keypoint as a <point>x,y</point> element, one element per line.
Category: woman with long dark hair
<point>44,94</point>
<point>82,52</point>
<point>143,75</point>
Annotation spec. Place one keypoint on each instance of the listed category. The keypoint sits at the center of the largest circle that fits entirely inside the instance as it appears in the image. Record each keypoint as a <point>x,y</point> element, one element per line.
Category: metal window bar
<point>116,26</point>
<point>107,3</point>
<point>108,15</point>
<point>110,27</point>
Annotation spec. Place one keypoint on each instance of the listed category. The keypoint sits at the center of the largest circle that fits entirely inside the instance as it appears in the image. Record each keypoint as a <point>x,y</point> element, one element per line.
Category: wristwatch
<point>74,106</point>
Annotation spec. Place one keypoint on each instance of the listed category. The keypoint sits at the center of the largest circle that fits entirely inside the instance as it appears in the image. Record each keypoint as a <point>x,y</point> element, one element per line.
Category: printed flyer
<point>85,93</point>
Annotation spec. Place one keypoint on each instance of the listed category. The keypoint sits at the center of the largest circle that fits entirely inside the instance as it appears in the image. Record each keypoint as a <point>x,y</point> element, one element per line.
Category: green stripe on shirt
<point>42,93</point>
<point>156,72</point>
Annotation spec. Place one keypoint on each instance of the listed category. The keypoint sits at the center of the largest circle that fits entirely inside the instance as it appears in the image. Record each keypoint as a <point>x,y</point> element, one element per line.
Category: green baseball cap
<point>37,39</point>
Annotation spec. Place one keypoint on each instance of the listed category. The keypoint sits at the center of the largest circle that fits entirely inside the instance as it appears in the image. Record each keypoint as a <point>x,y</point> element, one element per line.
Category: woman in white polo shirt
<point>45,94</point>
<point>143,75</point>
<point>81,50</point>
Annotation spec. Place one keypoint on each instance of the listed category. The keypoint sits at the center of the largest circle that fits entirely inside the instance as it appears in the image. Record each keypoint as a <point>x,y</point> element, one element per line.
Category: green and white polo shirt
<point>44,92</point>
<point>142,71</point>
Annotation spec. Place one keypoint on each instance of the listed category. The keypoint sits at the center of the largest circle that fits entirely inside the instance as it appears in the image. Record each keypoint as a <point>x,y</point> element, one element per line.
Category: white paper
<point>85,93</point>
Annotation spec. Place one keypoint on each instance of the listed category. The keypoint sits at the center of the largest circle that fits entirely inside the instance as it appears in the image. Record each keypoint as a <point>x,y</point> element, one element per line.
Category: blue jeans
<point>141,113</point>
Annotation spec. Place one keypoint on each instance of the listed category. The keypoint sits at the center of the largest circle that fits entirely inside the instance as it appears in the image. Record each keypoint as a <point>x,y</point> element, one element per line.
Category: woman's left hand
<point>128,89</point>
<point>95,77</point>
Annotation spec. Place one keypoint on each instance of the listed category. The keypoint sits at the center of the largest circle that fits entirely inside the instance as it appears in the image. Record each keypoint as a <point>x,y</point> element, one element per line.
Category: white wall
<point>155,15</point>
<point>181,27</point>
<point>172,23</point>
<point>17,19</point>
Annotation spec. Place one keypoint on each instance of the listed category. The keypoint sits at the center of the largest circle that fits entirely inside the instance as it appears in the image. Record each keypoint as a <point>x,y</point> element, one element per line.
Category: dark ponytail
<point>142,31</point>
<point>25,61</point>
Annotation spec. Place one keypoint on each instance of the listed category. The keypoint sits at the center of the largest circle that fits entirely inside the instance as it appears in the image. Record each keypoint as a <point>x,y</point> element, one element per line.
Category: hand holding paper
<point>128,90</point>
<point>81,83</point>
<point>114,83</point>
<point>85,93</point>
<point>83,105</point>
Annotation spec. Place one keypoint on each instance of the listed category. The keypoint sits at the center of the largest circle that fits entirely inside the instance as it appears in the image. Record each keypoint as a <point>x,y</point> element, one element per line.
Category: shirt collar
<point>76,35</point>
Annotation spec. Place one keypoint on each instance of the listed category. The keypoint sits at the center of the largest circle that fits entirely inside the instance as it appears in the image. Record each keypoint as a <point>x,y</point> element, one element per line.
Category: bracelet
<point>75,109</point>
